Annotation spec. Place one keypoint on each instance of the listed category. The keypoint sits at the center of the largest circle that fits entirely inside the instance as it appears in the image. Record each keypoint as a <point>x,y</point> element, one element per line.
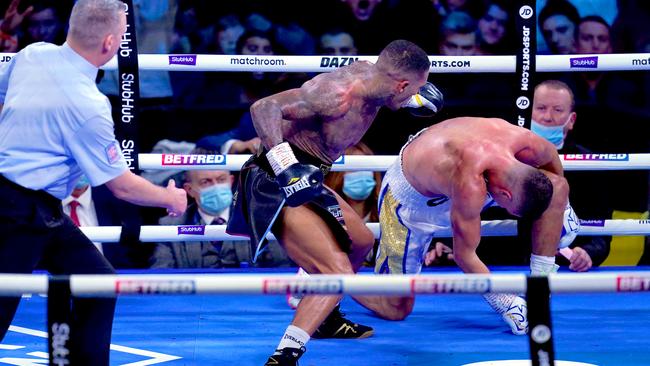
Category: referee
<point>55,126</point>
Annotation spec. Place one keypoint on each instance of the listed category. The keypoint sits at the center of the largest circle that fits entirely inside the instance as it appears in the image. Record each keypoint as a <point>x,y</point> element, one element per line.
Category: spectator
<point>558,21</point>
<point>593,35</point>
<point>459,35</point>
<point>337,42</point>
<point>46,23</point>
<point>10,23</point>
<point>554,118</point>
<point>359,189</point>
<point>96,206</point>
<point>211,193</point>
<point>495,28</point>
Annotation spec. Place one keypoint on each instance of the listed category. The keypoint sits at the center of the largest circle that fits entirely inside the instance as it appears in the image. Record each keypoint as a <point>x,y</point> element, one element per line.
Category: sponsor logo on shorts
<point>334,61</point>
<point>112,152</point>
<point>189,60</point>
<point>584,62</point>
<point>296,185</point>
<point>198,159</point>
<point>446,286</point>
<point>599,157</point>
<point>155,287</point>
<point>598,223</point>
<point>304,286</point>
<point>5,58</point>
<point>632,283</point>
<point>336,211</point>
<point>191,230</point>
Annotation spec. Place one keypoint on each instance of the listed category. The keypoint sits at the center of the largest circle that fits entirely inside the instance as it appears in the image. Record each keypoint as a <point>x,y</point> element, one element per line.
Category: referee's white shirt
<point>55,123</point>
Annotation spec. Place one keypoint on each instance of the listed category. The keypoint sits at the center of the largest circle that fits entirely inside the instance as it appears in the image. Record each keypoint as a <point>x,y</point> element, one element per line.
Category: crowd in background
<point>185,112</point>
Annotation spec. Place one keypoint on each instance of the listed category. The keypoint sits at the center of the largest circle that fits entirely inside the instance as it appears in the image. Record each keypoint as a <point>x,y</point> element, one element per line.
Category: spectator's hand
<point>580,260</point>
<point>179,199</point>
<point>435,254</point>
<point>13,18</point>
<point>245,147</point>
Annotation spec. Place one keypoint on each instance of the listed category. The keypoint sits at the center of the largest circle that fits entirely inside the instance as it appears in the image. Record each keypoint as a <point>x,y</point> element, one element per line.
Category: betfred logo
<point>180,159</point>
<point>144,287</point>
<point>306,286</point>
<point>597,223</point>
<point>598,157</point>
<point>191,230</point>
<point>188,60</point>
<point>632,284</point>
<point>584,62</point>
<point>443,286</point>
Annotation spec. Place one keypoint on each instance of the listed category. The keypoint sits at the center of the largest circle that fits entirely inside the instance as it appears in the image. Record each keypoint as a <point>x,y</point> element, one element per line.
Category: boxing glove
<point>426,103</point>
<point>570,227</point>
<point>300,183</point>
<point>513,310</point>
<point>517,316</point>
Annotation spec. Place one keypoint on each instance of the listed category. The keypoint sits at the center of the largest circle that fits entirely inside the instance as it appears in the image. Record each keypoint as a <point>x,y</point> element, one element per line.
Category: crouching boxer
<point>444,177</point>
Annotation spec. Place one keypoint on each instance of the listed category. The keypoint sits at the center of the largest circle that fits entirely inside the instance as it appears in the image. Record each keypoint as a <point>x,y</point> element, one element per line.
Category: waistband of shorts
<point>401,189</point>
<point>302,156</point>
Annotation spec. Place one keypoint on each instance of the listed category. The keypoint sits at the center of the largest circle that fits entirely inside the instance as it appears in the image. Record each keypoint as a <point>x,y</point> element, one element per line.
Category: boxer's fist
<point>426,103</point>
<point>300,183</point>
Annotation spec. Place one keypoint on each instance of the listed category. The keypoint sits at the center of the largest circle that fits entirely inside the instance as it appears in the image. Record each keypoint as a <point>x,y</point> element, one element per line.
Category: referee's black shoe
<point>285,357</point>
<point>336,326</point>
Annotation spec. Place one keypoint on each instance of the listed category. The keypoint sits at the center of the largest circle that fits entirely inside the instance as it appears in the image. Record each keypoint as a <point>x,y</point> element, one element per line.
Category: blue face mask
<point>358,185</point>
<point>553,134</point>
<point>216,198</point>
<point>83,182</point>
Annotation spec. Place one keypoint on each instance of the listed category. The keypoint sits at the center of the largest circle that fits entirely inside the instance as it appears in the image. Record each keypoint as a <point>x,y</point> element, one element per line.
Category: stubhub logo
<point>598,223</point>
<point>189,60</point>
<point>195,159</point>
<point>584,62</point>
<point>191,230</point>
<point>607,157</point>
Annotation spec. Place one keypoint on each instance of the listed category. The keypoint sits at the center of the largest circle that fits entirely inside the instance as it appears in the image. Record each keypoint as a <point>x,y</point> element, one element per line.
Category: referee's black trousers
<point>35,231</point>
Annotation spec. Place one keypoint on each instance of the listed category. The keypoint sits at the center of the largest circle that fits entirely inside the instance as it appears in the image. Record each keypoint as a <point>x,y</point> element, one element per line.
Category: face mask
<point>82,182</point>
<point>358,185</point>
<point>553,134</point>
<point>216,198</point>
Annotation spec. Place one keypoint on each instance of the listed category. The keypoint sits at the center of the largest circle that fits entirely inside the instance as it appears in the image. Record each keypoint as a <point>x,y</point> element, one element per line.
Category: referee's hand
<point>178,199</point>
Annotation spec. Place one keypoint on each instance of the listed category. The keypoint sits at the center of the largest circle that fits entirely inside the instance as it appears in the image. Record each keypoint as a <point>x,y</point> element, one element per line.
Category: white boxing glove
<point>513,310</point>
<point>570,227</point>
<point>517,316</point>
<point>426,103</point>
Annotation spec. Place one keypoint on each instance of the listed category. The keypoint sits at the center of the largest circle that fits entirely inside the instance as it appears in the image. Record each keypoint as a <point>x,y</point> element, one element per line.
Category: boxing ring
<point>208,317</point>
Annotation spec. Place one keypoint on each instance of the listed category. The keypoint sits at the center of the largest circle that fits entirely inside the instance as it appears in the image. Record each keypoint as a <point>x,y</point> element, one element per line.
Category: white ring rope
<point>377,162</point>
<point>439,64</point>
<point>168,233</point>
<point>360,284</point>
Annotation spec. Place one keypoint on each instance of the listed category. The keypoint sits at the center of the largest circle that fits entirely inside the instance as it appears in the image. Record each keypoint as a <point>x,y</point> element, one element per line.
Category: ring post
<point>58,320</point>
<point>538,295</point>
